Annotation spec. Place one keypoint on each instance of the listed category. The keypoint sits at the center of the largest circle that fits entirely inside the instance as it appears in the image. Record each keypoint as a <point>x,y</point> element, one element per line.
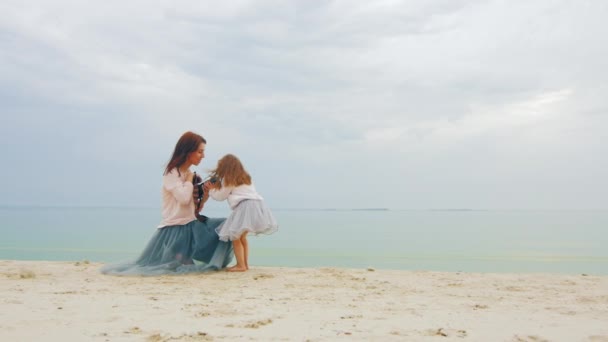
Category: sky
<point>434,104</point>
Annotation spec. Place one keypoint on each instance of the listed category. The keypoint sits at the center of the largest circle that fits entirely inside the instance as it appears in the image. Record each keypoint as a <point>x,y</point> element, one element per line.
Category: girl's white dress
<point>249,212</point>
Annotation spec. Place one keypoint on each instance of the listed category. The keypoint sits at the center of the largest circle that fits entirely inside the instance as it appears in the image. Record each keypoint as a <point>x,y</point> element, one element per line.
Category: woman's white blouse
<point>177,205</point>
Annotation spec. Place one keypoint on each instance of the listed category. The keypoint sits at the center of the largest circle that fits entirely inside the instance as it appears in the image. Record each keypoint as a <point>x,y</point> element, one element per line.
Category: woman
<point>181,244</point>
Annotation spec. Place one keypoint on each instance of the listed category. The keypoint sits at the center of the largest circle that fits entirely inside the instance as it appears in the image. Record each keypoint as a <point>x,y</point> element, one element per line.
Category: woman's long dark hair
<point>187,143</point>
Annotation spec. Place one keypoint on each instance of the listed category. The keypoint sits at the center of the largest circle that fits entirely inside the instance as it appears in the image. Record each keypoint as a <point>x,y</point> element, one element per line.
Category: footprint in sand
<point>529,338</point>
<point>133,330</point>
<point>199,336</point>
<point>513,289</point>
<point>258,324</point>
<point>155,338</point>
<point>455,284</point>
<point>22,274</point>
<point>331,271</point>
<point>447,332</point>
<point>587,300</point>
<point>263,276</point>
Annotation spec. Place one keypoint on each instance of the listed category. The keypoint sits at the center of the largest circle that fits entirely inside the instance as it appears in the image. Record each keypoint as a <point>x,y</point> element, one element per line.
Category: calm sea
<point>477,241</point>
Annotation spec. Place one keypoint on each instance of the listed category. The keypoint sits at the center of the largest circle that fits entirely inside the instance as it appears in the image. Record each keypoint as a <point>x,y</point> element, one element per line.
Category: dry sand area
<point>72,301</point>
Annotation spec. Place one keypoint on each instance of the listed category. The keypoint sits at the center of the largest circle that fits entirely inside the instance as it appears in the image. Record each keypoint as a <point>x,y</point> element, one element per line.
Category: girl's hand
<point>208,186</point>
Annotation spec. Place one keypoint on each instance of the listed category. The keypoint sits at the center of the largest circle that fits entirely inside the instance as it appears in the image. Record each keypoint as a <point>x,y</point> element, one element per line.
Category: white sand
<point>69,301</point>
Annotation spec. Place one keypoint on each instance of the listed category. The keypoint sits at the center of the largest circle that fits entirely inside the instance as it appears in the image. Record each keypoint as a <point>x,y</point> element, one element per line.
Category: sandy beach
<point>72,301</point>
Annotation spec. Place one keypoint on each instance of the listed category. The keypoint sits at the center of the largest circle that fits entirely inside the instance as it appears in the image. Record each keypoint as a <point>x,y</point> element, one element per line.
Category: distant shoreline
<point>130,207</point>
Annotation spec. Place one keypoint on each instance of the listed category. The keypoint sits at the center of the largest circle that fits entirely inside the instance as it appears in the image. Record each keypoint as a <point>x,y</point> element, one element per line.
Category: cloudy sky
<point>329,104</point>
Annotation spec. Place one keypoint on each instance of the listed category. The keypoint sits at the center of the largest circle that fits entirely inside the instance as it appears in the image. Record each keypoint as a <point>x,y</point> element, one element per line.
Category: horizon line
<point>455,209</point>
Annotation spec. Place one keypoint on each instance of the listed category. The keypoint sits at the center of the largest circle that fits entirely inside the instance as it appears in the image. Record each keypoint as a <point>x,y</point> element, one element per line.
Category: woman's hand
<point>205,198</point>
<point>208,186</point>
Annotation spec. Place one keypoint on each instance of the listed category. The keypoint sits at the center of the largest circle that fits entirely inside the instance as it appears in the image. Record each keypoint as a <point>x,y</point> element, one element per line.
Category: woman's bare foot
<point>236,268</point>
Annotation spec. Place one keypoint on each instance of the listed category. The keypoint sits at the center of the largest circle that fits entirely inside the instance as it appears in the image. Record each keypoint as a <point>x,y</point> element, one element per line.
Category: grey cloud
<point>425,95</point>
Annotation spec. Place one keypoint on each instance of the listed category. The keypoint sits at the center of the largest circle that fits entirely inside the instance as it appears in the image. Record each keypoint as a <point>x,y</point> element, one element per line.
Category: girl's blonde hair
<point>231,172</point>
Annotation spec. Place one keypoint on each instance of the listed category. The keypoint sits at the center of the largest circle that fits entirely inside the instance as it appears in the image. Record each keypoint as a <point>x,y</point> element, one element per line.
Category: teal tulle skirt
<point>190,248</point>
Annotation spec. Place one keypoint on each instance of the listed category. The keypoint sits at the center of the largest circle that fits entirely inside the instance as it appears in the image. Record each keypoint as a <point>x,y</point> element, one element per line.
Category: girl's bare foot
<point>236,269</point>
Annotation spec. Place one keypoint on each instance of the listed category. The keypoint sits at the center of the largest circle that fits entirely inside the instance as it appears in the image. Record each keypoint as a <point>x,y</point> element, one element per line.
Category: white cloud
<point>316,87</point>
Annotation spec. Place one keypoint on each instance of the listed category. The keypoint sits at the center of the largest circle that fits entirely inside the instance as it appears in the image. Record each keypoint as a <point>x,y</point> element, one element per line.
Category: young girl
<point>249,212</point>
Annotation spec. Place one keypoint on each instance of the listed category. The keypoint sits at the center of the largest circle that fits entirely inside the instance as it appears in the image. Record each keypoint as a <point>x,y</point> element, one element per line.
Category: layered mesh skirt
<point>189,248</point>
<point>252,216</point>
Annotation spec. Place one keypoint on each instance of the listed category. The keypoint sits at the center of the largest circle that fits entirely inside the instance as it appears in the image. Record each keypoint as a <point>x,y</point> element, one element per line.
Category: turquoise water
<point>474,241</point>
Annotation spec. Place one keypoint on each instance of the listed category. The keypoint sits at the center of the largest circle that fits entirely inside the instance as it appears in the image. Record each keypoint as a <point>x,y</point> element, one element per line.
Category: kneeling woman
<point>181,244</point>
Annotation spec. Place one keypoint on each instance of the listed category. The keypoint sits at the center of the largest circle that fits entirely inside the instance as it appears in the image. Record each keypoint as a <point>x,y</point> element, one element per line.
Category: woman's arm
<point>182,191</point>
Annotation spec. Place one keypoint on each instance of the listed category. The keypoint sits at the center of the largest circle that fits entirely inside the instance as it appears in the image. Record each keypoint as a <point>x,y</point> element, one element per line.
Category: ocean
<point>572,242</point>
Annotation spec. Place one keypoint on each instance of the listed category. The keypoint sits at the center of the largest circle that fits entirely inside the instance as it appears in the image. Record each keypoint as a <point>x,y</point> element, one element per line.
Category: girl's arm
<point>182,191</point>
<point>220,194</point>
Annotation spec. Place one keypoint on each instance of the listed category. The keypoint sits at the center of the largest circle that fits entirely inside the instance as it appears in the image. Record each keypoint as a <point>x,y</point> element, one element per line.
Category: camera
<point>198,182</point>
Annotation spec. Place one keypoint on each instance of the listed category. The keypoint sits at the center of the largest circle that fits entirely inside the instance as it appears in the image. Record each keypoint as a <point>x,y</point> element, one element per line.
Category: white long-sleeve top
<point>235,194</point>
<point>177,203</point>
